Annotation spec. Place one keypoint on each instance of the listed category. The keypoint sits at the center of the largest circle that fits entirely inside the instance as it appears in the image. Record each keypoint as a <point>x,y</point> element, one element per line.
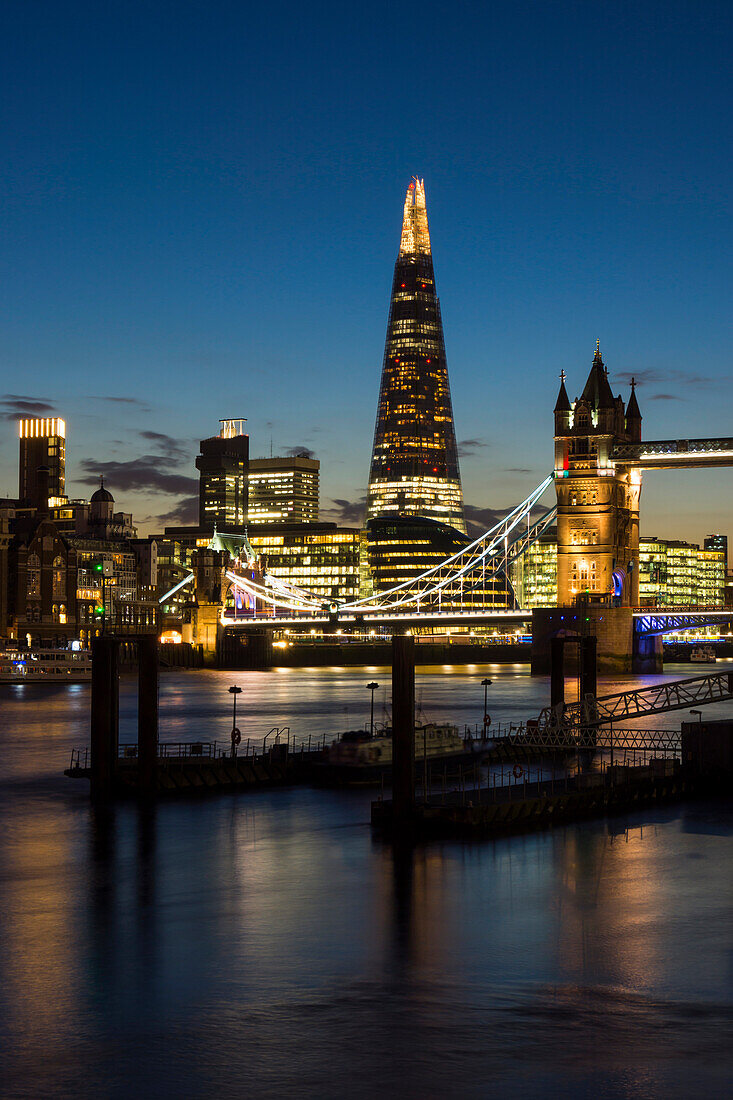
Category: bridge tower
<point>597,497</point>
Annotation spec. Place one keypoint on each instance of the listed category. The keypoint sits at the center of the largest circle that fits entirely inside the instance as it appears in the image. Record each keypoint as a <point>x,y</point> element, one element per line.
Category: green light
<point>98,567</point>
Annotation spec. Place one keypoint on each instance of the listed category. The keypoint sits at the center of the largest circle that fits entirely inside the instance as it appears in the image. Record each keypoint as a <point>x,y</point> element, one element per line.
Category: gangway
<point>627,705</point>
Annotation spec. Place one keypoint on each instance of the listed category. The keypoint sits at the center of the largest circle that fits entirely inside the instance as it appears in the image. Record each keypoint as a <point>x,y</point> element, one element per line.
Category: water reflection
<point>266,943</point>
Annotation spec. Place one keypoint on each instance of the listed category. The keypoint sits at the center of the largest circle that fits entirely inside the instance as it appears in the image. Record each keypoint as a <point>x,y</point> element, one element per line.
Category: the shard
<point>414,469</point>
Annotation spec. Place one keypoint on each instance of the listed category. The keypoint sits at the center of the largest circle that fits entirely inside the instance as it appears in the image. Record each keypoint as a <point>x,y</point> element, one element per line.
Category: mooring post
<point>557,672</point>
<point>147,712</point>
<point>105,716</point>
<point>403,726</point>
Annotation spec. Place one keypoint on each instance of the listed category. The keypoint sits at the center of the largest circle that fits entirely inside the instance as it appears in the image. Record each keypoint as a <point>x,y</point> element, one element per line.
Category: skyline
<point>182,231</point>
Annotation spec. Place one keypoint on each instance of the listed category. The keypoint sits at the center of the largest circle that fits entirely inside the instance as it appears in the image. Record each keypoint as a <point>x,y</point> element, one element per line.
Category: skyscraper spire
<point>415,233</point>
<point>414,470</point>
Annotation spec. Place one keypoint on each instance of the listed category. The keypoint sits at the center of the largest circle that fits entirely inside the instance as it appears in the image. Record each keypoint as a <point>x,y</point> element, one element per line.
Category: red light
<point>435,469</point>
<point>427,360</point>
<point>411,187</point>
<point>402,284</point>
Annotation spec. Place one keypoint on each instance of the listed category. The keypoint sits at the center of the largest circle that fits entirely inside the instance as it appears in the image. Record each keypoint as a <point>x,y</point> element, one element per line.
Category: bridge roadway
<point>646,620</point>
<point>384,618</point>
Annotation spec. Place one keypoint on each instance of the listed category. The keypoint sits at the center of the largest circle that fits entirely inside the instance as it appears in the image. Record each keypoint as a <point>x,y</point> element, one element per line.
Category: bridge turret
<point>633,416</point>
<point>563,408</point>
<point>597,498</point>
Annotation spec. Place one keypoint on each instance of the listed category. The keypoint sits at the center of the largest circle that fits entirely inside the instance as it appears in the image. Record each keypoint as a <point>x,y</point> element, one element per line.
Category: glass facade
<point>319,558</point>
<point>403,547</point>
<point>414,470</point>
<point>535,574</point>
<point>680,574</point>
<point>283,490</point>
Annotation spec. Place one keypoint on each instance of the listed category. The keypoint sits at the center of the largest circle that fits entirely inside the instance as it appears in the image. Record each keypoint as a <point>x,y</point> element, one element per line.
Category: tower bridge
<point>597,477</point>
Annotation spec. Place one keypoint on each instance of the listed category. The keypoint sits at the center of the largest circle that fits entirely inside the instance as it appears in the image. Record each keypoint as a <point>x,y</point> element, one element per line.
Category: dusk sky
<point>201,209</point>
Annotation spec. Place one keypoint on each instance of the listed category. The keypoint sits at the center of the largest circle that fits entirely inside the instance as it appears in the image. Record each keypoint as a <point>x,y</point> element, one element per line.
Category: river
<point>265,944</point>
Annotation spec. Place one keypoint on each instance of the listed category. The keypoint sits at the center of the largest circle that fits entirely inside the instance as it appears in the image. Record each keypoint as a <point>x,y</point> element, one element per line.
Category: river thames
<point>265,944</point>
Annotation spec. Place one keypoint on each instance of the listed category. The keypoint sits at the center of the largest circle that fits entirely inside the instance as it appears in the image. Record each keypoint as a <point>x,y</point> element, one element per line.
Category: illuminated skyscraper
<point>42,448</point>
<point>414,469</point>
<point>222,466</point>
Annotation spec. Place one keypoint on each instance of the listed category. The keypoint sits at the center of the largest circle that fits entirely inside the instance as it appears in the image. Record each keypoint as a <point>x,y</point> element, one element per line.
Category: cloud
<point>664,397</point>
<point>479,520</point>
<point>123,401</point>
<point>299,452</point>
<point>349,512</point>
<point>183,514</point>
<point>516,470</point>
<point>174,448</point>
<point>149,473</point>
<point>14,406</point>
<point>641,377</point>
<point>654,377</point>
<point>470,446</point>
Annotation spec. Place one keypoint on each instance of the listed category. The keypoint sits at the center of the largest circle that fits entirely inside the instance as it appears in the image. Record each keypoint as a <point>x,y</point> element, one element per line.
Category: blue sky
<point>201,207</point>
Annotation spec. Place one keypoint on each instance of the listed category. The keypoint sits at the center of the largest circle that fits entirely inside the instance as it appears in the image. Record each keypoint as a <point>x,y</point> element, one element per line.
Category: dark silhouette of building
<point>414,470</point>
<point>222,465</point>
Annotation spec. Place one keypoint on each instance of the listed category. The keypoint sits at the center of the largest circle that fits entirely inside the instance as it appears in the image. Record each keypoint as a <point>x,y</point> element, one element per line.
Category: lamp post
<point>486,684</point>
<point>372,687</point>
<point>698,713</point>
<point>236,737</point>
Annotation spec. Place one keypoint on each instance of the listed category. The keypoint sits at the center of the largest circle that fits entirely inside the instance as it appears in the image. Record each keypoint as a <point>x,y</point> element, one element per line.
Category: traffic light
<point>103,567</point>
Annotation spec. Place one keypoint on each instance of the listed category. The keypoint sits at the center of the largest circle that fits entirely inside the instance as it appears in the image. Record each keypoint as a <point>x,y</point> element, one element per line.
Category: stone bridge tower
<point>597,497</point>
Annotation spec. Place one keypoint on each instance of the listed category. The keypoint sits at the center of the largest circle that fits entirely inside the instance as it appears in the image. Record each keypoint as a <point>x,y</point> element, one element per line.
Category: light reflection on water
<point>266,944</point>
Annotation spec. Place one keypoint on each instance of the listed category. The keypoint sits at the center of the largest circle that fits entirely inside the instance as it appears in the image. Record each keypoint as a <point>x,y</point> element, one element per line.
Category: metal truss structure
<point>651,623</point>
<point>473,567</point>
<point>627,705</point>
<point>557,739</point>
<point>674,453</point>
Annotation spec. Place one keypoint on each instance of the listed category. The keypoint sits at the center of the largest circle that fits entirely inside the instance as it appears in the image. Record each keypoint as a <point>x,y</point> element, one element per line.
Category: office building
<point>414,468</point>
<point>283,490</point>
<point>680,574</point>
<point>534,574</point>
<point>718,542</point>
<point>222,466</point>
<point>318,557</point>
<point>400,548</point>
<point>42,467</point>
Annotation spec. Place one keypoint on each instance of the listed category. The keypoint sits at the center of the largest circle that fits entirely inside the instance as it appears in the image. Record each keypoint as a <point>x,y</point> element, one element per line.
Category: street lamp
<point>372,687</point>
<point>698,713</point>
<point>236,735</point>
<point>486,684</point>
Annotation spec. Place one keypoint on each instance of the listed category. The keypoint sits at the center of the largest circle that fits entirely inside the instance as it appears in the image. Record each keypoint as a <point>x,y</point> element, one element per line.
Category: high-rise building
<point>718,542</point>
<point>42,472</point>
<point>283,490</point>
<point>414,470</point>
<point>222,465</point>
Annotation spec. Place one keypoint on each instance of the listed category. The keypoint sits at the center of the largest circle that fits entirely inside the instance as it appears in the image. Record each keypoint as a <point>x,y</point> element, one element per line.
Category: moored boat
<point>358,759</point>
<point>45,666</point>
<point>702,655</point>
